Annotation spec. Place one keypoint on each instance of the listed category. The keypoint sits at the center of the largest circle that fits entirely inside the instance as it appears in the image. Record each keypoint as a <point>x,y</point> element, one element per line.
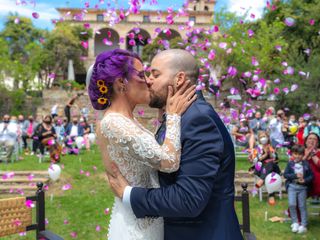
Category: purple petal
<point>289,21</point>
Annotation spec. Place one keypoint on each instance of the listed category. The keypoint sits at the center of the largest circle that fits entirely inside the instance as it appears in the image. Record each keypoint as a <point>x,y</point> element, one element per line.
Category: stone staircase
<point>243,176</point>
<point>21,182</point>
<point>24,182</point>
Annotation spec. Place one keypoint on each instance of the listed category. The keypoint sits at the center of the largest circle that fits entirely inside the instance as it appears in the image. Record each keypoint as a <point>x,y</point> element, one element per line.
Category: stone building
<point>142,26</point>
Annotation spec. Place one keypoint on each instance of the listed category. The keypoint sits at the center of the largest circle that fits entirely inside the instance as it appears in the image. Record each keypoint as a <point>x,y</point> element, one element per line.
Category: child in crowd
<point>265,162</point>
<point>298,176</point>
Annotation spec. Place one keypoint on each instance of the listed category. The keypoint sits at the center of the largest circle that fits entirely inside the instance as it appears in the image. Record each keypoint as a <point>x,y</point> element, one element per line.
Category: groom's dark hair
<point>182,61</point>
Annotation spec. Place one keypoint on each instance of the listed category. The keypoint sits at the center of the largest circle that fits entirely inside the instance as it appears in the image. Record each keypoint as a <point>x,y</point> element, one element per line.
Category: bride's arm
<point>141,145</point>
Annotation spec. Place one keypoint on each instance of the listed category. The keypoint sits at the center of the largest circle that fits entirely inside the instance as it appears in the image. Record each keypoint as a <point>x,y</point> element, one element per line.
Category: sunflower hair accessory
<point>102,100</point>
<point>103,89</point>
<point>100,83</point>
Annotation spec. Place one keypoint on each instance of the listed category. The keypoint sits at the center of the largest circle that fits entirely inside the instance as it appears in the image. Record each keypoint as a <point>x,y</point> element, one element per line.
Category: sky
<point>47,8</point>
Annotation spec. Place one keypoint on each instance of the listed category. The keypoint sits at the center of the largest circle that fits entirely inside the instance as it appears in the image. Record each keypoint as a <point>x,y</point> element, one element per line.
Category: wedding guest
<point>301,126</point>
<point>312,127</point>
<point>312,155</point>
<point>86,130</point>
<point>298,176</point>
<point>47,137</point>
<point>8,136</point>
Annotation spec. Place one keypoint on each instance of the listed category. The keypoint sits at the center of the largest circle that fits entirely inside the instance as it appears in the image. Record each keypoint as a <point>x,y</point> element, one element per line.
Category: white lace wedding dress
<point>138,156</point>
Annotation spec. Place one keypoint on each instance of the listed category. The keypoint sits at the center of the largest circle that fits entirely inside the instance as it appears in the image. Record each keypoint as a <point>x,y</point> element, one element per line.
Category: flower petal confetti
<point>66,187</point>
<point>35,15</point>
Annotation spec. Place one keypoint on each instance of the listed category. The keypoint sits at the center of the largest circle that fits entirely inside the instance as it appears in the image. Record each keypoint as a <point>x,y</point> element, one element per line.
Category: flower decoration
<point>103,89</point>
<point>100,83</point>
<point>102,100</point>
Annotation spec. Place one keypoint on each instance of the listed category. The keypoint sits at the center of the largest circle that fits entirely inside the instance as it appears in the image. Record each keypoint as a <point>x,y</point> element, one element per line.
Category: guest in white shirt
<point>8,135</point>
<point>275,127</point>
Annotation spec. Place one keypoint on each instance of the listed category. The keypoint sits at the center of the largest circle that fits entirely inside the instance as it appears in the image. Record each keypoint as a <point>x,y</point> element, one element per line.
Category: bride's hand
<point>179,102</point>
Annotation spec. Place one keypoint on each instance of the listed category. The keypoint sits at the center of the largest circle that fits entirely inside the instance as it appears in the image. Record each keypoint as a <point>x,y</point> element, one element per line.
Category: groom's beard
<point>157,101</point>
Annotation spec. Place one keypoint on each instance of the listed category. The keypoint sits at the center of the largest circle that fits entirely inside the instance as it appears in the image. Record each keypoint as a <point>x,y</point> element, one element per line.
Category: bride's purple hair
<point>109,66</point>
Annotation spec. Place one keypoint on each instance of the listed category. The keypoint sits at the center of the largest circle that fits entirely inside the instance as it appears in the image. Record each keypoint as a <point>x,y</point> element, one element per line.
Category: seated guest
<point>312,127</point>
<point>8,136</point>
<point>258,124</point>
<point>47,138</point>
<point>298,176</point>
<point>60,130</point>
<point>312,155</point>
<point>265,162</point>
<point>86,130</point>
<point>20,127</point>
<point>28,130</point>
<point>243,134</point>
<point>73,130</point>
<point>301,126</point>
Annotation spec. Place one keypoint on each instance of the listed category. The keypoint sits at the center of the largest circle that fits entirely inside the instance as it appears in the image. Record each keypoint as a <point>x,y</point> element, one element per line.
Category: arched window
<point>206,8</point>
<point>195,8</point>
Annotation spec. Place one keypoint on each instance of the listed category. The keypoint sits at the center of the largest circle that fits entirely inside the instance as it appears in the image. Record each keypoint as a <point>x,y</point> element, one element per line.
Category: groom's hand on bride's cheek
<point>117,182</point>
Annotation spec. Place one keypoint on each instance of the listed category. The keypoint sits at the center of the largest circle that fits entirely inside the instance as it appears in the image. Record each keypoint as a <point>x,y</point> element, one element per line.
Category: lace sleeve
<point>140,144</point>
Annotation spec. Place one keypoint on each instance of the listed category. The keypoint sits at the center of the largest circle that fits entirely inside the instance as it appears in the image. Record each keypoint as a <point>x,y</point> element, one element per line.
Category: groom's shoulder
<point>200,109</point>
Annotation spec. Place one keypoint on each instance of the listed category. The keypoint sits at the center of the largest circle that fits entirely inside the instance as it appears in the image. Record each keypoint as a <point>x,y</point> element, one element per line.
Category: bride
<point>117,85</point>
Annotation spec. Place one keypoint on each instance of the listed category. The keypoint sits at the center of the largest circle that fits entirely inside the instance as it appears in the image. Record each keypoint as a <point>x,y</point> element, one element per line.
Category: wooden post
<point>245,208</point>
<point>40,215</point>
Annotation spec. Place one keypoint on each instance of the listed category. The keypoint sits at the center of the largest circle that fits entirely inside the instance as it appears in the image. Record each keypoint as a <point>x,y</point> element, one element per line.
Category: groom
<point>197,201</point>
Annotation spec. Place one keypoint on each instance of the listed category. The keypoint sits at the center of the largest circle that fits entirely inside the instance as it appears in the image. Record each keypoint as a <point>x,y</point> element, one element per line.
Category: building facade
<point>137,30</point>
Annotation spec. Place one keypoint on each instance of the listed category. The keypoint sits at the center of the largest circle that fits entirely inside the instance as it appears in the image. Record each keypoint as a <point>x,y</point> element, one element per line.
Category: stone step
<point>23,180</point>
<point>25,173</point>
<point>24,187</point>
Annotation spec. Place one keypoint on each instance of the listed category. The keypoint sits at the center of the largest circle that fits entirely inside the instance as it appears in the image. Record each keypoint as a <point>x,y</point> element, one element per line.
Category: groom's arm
<point>200,162</point>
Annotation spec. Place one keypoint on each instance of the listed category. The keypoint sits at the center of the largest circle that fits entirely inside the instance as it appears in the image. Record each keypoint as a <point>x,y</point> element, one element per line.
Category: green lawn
<point>84,205</point>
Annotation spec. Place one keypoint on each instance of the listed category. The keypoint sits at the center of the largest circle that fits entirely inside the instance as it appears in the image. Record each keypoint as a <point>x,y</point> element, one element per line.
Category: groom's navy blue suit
<point>197,201</point>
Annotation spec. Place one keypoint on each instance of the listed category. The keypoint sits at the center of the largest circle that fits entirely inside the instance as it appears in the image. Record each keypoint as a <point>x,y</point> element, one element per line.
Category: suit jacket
<point>197,201</point>
<point>69,127</point>
<point>291,177</point>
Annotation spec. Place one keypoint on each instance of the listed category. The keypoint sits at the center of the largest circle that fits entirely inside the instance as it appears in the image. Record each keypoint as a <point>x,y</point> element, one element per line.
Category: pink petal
<point>212,55</point>
<point>66,187</point>
<point>98,228</point>
<point>250,33</point>
<point>232,71</point>
<point>294,87</point>
<point>17,20</point>
<point>276,90</point>
<point>223,45</point>
<point>86,25</point>
<point>107,42</point>
<point>84,44</point>
<point>141,112</point>
<point>285,90</point>
<point>29,204</point>
<point>289,21</point>
<point>279,48</point>
<point>215,28</point>
<point>106,211</point>
<point>73,234</point>
<point>35,15</point>
<point>272,180</point>
<point>276,81</point>
<point>132,42</point>
<point>254,61</point>
<point>312,21</point>
<point>247,74</point>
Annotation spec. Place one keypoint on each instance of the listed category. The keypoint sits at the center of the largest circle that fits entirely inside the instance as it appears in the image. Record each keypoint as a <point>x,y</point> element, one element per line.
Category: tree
<point>158,44</point>
<point>20,39</point>
<point>303,40</point>
<point>62,44</point>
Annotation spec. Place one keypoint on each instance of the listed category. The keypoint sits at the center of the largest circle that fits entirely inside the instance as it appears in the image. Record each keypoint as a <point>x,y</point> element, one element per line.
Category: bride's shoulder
<point>113,119</point>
